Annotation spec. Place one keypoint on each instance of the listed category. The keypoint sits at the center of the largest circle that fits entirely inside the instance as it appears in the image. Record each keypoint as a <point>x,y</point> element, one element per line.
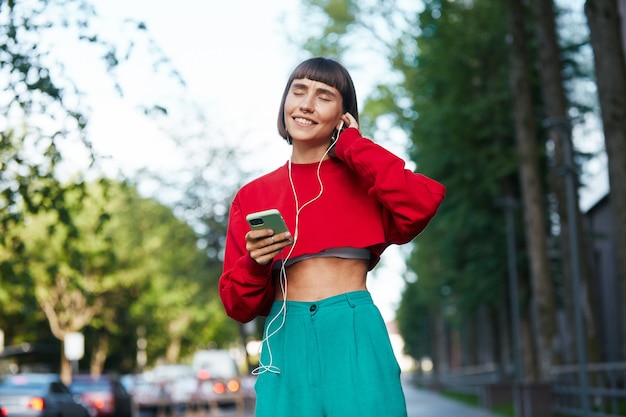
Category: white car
<point>221,380</point>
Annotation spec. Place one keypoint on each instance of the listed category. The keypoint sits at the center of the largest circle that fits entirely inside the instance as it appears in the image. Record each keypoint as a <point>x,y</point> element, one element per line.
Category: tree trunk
<point>610,65</point>
<point>67,311</point>
<point>66,370</point>
<point>99,354</point>
<point>173,350</point>
<point>176,329</point>
<point>560,130</point>
<point>532,194</point>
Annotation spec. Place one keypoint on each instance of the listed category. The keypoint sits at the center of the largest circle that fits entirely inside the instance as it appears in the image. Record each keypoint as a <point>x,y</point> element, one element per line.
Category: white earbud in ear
<point>336,135</point>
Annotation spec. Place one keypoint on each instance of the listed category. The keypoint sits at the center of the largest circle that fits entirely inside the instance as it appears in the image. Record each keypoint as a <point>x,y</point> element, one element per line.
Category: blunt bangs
<point>326,71</point>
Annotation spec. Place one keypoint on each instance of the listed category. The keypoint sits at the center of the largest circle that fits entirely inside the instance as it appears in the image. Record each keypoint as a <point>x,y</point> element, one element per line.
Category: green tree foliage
<point>200,195</point>
<point>460,125</point>
<point>454,102</point>
<point>128,262</point>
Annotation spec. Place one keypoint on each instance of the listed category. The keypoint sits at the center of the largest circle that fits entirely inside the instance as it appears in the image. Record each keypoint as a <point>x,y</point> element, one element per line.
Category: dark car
<point>104,395</point>
<point>38,395</point>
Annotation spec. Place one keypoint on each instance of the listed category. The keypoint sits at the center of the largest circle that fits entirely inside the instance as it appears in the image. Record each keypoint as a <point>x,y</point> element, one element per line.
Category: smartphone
<point>267,219</point>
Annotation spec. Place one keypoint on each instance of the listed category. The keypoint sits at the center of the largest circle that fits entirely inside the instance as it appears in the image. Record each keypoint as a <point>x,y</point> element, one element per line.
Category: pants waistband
<point>351,299</point>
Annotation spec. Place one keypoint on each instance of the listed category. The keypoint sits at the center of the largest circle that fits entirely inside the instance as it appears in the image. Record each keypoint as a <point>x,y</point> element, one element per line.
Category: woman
<point>326,351</point>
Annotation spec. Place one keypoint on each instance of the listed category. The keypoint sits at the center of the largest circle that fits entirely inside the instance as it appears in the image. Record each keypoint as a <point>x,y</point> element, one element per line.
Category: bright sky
<point>235,58</point>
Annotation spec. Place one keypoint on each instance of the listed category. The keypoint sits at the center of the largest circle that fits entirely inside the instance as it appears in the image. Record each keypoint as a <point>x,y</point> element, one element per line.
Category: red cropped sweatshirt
<point>369,200</point>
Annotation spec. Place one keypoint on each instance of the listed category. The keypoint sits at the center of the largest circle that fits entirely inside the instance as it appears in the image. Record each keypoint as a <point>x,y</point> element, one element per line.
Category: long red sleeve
<point>411,200</point>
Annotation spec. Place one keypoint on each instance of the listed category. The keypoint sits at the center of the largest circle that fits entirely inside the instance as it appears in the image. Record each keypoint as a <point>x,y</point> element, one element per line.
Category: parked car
<point>150,397</point>
<point>219,376</point>
<point>179,382</point>
<point>103,395</point>
<point>38,395</point>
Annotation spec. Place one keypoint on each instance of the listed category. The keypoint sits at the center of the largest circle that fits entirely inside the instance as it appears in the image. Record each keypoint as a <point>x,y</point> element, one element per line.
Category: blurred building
<point>606,288</point>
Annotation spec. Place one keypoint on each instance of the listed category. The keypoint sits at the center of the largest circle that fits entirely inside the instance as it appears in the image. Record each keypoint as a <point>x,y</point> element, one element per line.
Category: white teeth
<point>303,121</point>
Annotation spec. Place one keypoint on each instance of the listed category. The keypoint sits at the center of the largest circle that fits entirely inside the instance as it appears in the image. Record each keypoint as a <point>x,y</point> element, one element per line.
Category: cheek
<point>334,117</point>
<point>290,105</point>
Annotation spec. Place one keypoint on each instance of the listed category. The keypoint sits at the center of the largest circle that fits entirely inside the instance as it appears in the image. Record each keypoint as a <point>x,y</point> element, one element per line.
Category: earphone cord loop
<point>262,368</point>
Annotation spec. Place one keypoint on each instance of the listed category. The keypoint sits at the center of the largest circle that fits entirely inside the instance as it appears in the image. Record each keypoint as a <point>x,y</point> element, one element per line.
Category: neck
<point>308,154</point>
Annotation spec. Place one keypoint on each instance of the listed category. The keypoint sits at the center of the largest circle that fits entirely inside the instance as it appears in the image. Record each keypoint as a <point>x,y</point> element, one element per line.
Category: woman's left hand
<point>348,121</point>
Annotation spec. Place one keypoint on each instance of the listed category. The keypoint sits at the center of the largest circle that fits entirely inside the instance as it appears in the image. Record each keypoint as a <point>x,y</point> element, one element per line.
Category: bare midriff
<point>318,278</point>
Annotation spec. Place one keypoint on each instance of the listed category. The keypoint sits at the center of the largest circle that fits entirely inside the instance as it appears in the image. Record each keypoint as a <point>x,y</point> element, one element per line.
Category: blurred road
<point>421,403</point>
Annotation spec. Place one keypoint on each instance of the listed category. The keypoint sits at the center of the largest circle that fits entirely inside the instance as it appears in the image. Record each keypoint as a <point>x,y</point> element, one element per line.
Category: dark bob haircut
<point>326,71</point>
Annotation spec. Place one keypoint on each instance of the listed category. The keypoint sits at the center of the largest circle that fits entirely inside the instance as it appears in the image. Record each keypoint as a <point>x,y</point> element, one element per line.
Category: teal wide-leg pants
<point>329,358</point>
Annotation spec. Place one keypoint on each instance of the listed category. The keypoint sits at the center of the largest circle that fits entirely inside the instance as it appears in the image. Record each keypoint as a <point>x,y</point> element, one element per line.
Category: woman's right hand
<point>263,245</point>
<point>349,121</point>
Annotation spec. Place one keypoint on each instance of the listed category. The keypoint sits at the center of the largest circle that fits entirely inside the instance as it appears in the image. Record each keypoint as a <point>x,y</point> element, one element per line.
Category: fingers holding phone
<point>268,235</point>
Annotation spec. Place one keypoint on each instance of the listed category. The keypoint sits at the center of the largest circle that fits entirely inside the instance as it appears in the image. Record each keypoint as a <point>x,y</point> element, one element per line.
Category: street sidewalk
<point>424,403</point>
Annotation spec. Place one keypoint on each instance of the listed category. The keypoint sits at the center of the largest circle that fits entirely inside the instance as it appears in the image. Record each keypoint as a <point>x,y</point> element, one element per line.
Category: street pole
<point>513,288</point>
<point>508,204</point>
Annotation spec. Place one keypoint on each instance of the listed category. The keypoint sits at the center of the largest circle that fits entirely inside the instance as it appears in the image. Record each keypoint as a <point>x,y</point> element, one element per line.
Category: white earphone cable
<point>282,313</point>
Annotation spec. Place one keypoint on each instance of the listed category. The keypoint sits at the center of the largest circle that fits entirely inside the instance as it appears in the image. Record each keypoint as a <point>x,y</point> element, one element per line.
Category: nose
<point>306,104</point>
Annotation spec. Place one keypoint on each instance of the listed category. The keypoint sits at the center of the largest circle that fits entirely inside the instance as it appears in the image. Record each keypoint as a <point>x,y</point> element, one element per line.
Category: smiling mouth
<point>302,121</point>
